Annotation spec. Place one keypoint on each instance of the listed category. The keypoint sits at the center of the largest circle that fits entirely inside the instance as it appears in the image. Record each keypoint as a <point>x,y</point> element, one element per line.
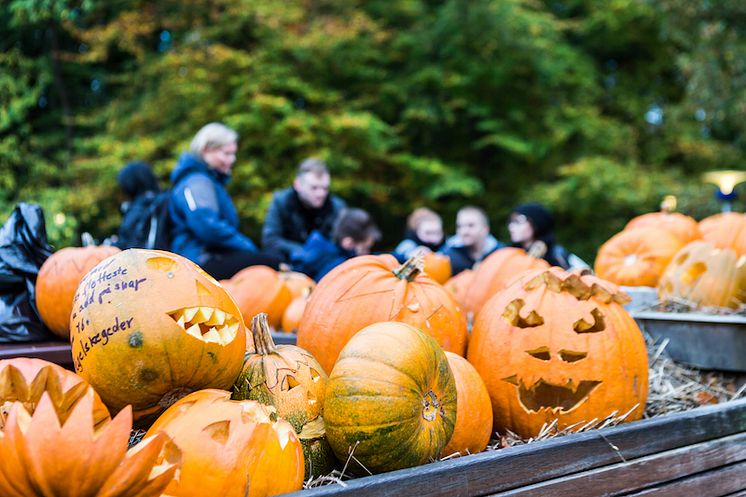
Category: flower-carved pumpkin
<point>559,345</point>
<point>437,266</point>
<point>373,288</point>
<point>685,228</point>
<point>391,399</point>
<point>260,289</point>
<point>292,381</point>
<point>24,380</point>
<point>231,448</point>
<point>58,279</point>
<point>149,327</point>
<point>705,276</point>
<point>45,456</point>
<point>725,230</point>
<point>636,257</point>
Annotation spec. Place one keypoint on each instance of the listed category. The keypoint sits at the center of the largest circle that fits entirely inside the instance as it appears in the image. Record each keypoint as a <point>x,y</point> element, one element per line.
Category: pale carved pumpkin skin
<point>166,345</point>
<point>521,361</point>
<point>704,275</point>
<point>365,290</point>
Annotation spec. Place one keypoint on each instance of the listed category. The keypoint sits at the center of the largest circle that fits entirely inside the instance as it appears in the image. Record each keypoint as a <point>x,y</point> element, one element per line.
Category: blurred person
<point>424,232</point>
<point>472,242</point>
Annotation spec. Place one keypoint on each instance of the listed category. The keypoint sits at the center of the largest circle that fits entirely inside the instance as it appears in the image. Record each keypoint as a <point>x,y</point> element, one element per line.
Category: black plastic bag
<point>23,249</point>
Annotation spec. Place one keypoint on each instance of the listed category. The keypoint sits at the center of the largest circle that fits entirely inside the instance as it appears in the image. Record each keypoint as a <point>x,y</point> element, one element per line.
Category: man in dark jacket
<point>472,242</point>
<point>297,211</point>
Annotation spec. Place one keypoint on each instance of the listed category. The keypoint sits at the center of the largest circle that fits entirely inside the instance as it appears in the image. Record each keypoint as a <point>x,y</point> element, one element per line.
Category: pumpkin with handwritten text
<point>149,327</point>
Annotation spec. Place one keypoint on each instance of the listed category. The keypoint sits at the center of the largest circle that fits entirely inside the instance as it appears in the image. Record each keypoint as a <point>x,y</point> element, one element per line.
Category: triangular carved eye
<point>542,353</point>
<point>582,326</point>
<point>571,356</point>
<point>513,316</point>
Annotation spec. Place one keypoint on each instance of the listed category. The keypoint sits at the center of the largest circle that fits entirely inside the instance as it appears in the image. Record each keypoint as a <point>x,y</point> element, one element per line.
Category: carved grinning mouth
<point>544,395</point>
<point>207,324</point>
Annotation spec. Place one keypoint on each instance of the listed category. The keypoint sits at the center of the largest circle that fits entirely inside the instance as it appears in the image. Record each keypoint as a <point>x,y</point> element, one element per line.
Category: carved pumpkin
<point>438,266</point>
<point>44,456</point>
<point>473,428</point>
<point>705,276</point>
<point>636,257</point>
<point>231,448</point>
<point>289,379</point>
<point>392,397</point>
<point>685,228</point>
<point>299,284</point>
<point>373,288</point>
<point>149,327</point>
<point>57,281</point>
<point>725,230</point>
<point>495,272</point>
<point>294,313</point>
<point>24,380</point>
<point>459,286</point>
<point>558,345</point>
<point>260,289</point>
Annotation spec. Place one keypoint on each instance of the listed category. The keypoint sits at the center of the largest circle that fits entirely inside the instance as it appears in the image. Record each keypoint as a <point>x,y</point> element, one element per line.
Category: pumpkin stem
<point>410,269</point>
<point>262,334</point>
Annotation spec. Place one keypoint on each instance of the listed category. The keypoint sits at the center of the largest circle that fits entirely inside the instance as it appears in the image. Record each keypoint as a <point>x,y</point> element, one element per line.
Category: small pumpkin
<point>685,228</point>
<point>25,380</point>
<point>149,327</point>
<point>294,313</point>
<point>636,257</point>
<point>725,230</point>
<point>705,276</point>
<point>438,266</point>
<point>373,288</point>
<point>299,284</point>
<point>260,289</point>
<point>58,279</point>
<point>473,428</point>
<point>559,345</point>
<point>45,456</point>
<point>459,285</point>
<point>231,448</point>
<point>391,399</point>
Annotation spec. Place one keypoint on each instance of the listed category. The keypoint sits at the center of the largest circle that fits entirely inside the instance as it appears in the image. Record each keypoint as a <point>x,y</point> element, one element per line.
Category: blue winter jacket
<point>204,220</point>
<point>318,256</point>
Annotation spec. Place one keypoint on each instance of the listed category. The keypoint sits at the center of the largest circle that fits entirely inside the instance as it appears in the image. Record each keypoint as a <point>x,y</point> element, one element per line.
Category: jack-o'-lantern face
<point>148,327</point>
<point>558,345</point>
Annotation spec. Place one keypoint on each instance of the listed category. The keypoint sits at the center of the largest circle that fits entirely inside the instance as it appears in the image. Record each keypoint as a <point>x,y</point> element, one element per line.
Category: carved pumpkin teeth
<point>217,318</point>
<point>207,324</point>
<point>190,312</point>
<point>202,315</point>
<point>195,331</point>
<point>561,398</point>
<point>212,336</point>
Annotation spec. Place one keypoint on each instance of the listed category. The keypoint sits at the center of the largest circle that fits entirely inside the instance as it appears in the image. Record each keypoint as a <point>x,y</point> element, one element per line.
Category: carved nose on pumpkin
<point>544,395</point>
<point>208,324</point>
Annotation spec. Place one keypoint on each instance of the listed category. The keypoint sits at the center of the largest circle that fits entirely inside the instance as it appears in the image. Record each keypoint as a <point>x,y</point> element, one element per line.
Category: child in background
<point>424,232</point>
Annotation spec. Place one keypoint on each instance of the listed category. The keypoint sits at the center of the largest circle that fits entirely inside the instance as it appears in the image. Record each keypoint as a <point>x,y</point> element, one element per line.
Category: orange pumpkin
<point>636,257</point>
<point>289,379</point>
<point>231,448</point>
<point>725,230</point>
<point>438,266</point>
<point>705,276</point>
<point>294,313</point>
<point>567,350</point>
<point>24,380</point>
<point>58,279</point>
<point>299,284</point>
<point>373,288</point>
<point>260,289</point>
<point>473,428</point>
<point>685,228</point>
<point>149,327</point>
<point>459,286</point>
<point>495,272</point>
<point>44,456</point>
<point>391,398</point>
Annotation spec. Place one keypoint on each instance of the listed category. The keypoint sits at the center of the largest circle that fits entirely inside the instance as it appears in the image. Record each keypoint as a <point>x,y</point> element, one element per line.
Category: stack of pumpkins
<point>702,264</point>
<point>157,337</point>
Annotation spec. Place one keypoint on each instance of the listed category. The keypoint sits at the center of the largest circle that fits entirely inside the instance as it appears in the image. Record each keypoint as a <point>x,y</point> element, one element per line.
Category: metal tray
<point>701,340</point>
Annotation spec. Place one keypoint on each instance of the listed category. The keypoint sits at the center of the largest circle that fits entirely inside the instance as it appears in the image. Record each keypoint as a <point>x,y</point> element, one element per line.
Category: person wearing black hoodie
<point>144,213</point>
<point>531,227</point>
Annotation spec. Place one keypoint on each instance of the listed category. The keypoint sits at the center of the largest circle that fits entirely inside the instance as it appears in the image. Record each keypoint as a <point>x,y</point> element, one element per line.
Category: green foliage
<point>597,109</point>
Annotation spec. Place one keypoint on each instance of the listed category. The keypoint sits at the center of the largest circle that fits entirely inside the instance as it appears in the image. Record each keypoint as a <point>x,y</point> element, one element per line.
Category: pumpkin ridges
<point>685,228</point>
<point>725,230</point>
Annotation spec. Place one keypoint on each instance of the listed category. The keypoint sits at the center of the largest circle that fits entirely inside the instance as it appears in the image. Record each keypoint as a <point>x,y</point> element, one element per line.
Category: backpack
<point>146,223</point>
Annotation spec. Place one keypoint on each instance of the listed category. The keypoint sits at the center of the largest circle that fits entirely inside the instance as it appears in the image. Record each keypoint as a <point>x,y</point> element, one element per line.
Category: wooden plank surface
<point>719,482</point>
<point>53,351</point>
<point>622,478</point>
<point>516,467</point>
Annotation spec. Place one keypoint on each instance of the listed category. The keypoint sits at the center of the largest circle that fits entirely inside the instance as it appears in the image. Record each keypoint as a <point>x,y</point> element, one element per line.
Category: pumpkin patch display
<point>685,228</point>
<point>559,345</point>
<point>636,257</point>
<point>260,289</point>
<point>25,380</point>
<point>43,456</point>
<point>231,448</point>
<point>374,288</point>
<point>703,275</point>
<point>148,327</point>
<point>437,266</point>
<point>289,379</point>
<point>58,279</point>
<point>725,230</point>
<point>473,428</point>
<point>391,399</point>
<point>495,272</point>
